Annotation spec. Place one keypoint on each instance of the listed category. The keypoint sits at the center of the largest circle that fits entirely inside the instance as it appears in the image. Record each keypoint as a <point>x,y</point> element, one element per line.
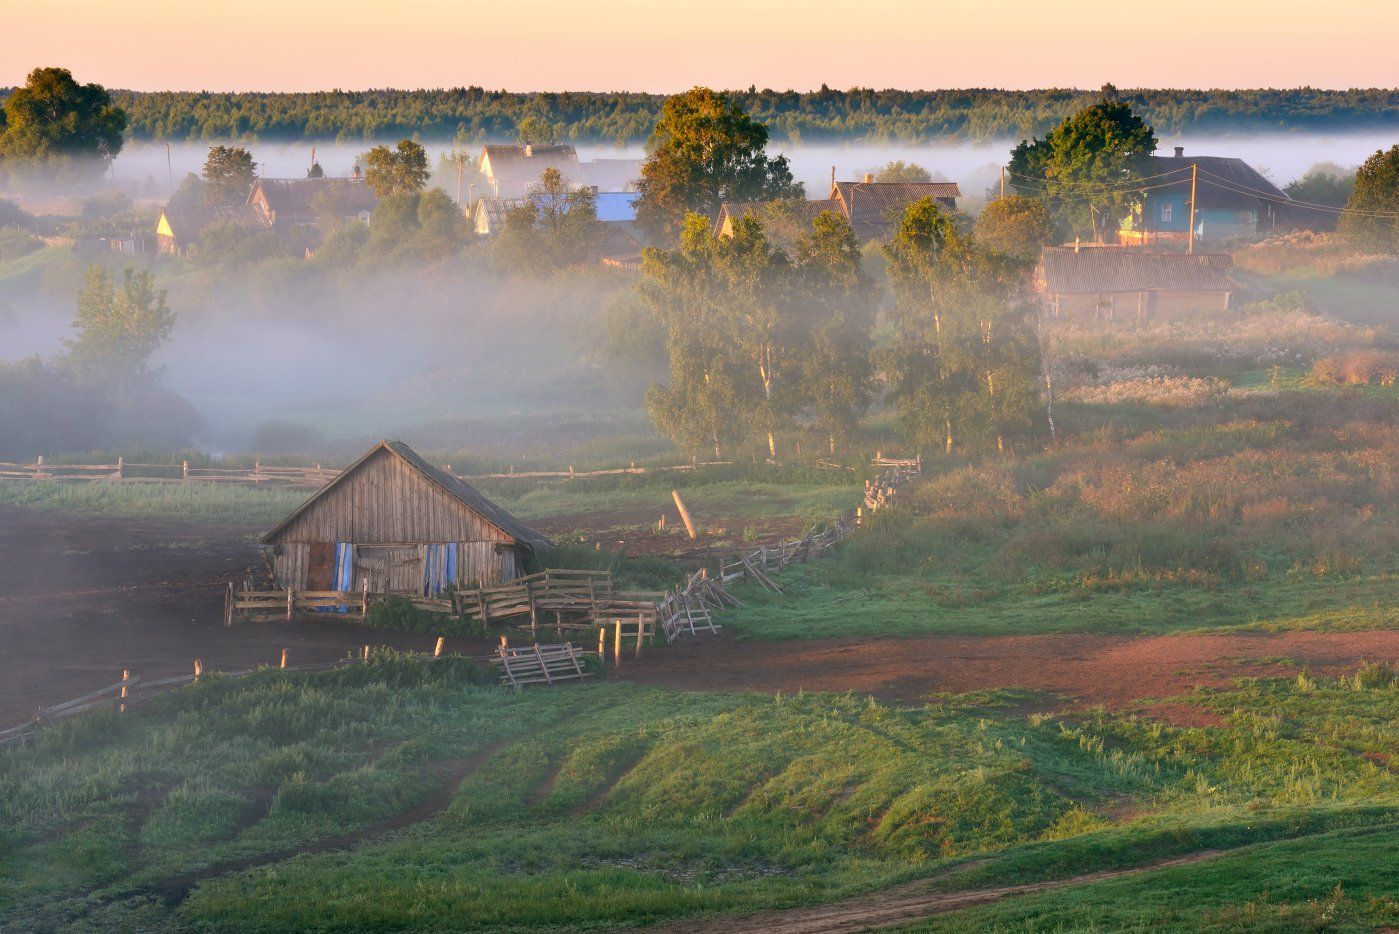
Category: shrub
<point>1357,368</point>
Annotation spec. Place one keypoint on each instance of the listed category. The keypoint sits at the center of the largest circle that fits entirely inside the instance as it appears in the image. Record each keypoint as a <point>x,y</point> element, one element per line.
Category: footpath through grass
<point>613,804</point>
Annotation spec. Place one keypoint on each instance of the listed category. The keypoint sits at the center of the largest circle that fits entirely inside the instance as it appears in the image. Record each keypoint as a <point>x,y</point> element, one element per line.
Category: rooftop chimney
<point>869,178</point>
<point>1180,152</point>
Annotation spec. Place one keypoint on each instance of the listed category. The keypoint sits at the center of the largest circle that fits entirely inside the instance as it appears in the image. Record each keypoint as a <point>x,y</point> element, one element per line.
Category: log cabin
<point>1103,282</point>
<point>393,523</point>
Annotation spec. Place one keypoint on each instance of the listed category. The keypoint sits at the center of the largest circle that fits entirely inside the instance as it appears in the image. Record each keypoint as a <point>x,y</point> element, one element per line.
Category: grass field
<point>611,804</point>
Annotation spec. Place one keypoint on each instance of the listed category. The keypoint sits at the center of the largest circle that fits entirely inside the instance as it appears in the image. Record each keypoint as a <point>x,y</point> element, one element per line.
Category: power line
<point>1239,188</point>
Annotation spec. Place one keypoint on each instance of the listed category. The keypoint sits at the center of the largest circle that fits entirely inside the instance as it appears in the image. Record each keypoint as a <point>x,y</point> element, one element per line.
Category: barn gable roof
<point>1095,270</point>
<point>458,489</point>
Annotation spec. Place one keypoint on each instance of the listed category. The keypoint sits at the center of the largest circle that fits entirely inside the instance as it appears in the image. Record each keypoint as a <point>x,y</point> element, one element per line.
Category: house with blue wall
<point>1232,200</point>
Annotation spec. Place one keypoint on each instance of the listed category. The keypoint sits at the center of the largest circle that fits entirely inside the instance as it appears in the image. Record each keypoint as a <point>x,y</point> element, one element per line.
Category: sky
<point>527,45</point>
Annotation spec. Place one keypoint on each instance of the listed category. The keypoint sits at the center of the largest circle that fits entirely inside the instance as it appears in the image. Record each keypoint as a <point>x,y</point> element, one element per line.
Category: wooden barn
<point>1103,282</point>
<point>394,523</point>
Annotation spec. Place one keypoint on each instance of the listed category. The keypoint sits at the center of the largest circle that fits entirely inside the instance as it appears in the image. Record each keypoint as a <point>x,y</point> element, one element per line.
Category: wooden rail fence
<point>121,471</point>
<point>313,477</point>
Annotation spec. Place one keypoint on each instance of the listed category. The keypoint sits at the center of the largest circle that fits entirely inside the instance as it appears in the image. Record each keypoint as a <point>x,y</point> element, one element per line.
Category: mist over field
<point>389,351</point>
<point>974,165</point>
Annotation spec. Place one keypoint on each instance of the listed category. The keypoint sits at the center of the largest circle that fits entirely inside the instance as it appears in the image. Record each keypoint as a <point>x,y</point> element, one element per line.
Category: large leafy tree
<point>400,170</point>
<point>964,365</point>
<point>699,408</point>
<point>1371,221</point>
<point>835,315</point>
<point>1087,166</point>
<point>229,174</point>
<point>706,150</point>
<point>757,339</point>
<point>52,121</point>
<point>120,324</point>
<point>1017,226</point>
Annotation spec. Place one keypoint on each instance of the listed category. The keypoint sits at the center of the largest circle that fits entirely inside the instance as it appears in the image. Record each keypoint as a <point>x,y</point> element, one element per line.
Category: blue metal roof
<point>617,205</point>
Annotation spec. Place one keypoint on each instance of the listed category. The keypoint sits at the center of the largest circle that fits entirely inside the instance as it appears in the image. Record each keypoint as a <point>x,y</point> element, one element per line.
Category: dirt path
<point>83,597</point>
<point>900,905</point>
<point>1121,672</point>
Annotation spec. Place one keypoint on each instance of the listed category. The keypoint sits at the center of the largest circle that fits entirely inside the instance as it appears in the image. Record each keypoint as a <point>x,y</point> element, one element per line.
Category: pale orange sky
<point>659,46</point>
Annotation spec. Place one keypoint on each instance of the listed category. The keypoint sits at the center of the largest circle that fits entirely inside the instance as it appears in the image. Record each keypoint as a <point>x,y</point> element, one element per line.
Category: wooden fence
<point>880,491</point>
<point>121,471</point>
<point>552,663</point>
<point>313,477</point>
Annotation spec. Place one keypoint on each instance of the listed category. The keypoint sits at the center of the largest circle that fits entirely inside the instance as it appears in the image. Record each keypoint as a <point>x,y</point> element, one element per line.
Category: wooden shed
<point>1102,282</point>
<point>394,523</point>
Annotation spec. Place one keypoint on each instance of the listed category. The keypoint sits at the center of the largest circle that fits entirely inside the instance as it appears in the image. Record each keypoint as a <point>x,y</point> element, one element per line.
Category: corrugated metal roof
<point>463,492</point>
<point>613,206</point>
<point>1106,269</point>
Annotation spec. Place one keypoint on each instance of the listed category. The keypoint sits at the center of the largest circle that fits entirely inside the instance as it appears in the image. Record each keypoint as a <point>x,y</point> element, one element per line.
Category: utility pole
<point>458,155</point>
<point>169,166</point>
<point>1003,182</point>
<point>1194,174</point>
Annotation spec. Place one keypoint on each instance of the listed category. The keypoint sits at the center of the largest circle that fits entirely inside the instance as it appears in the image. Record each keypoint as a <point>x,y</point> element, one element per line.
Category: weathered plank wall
<point>387,502</point>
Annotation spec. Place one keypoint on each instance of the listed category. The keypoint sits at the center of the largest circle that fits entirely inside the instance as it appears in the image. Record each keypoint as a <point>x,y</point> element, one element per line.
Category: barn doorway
<point>389,568</point>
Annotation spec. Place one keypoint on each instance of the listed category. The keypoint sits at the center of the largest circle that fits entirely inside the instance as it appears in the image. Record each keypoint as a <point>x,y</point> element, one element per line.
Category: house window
<point>1166,213</point>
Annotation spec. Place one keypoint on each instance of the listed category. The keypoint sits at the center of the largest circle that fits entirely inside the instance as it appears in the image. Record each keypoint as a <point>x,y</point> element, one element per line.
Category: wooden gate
<point>390,568</point>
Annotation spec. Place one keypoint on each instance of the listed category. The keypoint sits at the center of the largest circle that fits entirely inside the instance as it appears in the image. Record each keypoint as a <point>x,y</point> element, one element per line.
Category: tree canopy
<point>228,175</point>
<point>54,122</point>
<point>1086,166</point>
<point>1371,221</point>
<point>475,113</point>
<point>120,324</point>
<point>704,151</point>
<point>400,170</point>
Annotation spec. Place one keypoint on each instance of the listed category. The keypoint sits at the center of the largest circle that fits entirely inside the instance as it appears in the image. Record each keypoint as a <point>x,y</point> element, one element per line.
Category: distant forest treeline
<point>474,113</point>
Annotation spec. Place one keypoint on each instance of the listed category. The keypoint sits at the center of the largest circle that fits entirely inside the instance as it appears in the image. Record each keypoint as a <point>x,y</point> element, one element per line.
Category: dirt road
<point>82,598</point>
<point>1121,672</point>
<point>899,905</point>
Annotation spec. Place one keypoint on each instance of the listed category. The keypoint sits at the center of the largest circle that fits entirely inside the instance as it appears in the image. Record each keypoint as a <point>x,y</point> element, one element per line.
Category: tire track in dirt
<point>175,890</point>
<point>902,904</point>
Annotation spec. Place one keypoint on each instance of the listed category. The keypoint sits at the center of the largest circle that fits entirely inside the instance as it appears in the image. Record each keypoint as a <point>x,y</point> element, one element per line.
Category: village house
<point>511,171</point>
<point>180,226</point>
<point>1232,200</point>
<point>873,209</point>
<point>290,204</point>
<point>616,215</point>
<point>391,522</point>
<point>1102,281</point>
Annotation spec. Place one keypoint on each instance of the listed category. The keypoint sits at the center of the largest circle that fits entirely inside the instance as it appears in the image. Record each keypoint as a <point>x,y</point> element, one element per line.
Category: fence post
<point>184,470</point>
<point>364,598</point>
<point>284,659</point>
<point>437,649</point>
<point>125,676</point>
<point>121,468</point>
<point>602,644</point>
<point>198,669</point>
<point>289,603</point>
<point>228,605</point>
<point>366,653</point>
<point>617,645</point>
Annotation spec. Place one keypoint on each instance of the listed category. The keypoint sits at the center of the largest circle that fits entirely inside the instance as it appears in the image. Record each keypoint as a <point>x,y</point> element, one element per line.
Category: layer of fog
<point>1281,157</point>
<point>392,355</point>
